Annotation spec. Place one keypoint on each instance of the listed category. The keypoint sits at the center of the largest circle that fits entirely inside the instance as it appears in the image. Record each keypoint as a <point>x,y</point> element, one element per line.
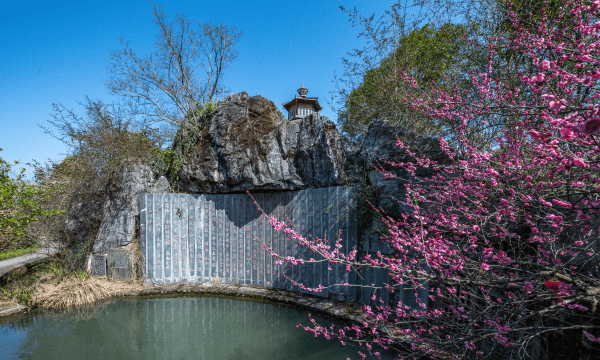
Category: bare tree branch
<point>186,68</point>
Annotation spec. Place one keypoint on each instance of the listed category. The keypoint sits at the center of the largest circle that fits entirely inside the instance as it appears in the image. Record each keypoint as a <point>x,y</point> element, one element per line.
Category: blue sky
<point>58,52</point>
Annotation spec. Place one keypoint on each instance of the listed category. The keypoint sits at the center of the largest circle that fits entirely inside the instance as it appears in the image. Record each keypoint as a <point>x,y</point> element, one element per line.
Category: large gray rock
<point>380,145</point>
<point>248,145</point>
<point>390,192</point>
<point>120,211</point>
<point>161,186</point>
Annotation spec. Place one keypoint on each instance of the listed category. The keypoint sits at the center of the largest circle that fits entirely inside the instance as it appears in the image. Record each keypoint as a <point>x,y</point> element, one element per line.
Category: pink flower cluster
<point>486,228</point>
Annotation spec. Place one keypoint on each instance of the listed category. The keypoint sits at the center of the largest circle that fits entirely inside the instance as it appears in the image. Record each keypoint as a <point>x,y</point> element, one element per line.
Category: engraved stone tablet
<point>98,265</point>
<point>119,264</point>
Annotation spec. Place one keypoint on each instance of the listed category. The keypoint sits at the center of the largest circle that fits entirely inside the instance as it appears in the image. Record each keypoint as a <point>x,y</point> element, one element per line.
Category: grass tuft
<point>55,288</point>
<point>77,291</point>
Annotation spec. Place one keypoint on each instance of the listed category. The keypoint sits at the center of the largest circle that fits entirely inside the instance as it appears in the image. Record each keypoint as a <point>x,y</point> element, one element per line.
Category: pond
<point>171,328</point>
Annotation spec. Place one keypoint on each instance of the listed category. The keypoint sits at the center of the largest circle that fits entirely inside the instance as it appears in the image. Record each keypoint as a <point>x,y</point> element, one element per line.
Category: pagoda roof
<point>303,99</point>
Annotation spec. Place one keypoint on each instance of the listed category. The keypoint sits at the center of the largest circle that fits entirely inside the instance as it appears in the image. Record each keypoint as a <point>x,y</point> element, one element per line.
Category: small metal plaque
<point>98,265</point>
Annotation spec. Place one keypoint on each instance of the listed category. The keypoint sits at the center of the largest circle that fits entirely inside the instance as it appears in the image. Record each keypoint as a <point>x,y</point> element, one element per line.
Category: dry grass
<point>53,289</point>
<point>5,303</point>
<point>72,292</point>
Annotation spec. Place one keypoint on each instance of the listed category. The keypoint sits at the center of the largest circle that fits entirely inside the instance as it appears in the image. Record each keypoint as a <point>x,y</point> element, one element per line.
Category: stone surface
<point>371,236</point>
<point>98,265</point>
<point>380,144</point>
<point>321,305</point>
<point>119,264</point>
<point>390,191</point>
<point>11,310</point>
<point>337,311</point>
<point>151,291</point>
<point>161,186</point>
<point>249,146</point>
<point>120,211</point>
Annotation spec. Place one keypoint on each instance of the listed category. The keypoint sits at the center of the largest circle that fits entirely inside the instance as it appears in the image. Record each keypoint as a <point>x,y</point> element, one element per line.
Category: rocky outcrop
<point>248,145</point>
<point>120,211</point>
<point>380,146</point>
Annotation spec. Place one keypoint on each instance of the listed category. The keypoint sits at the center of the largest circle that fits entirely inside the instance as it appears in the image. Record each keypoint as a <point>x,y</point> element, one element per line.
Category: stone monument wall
<point>204,238</point>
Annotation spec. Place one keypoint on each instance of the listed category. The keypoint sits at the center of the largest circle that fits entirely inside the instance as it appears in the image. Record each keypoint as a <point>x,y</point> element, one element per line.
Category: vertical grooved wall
<point>204,238</point>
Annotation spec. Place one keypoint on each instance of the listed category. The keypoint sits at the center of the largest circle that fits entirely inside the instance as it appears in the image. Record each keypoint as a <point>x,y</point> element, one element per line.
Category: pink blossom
<point>580,163</point>
<point>548,97</point>
<point>543,153</point>
<point>591,337</point>
<point>546,203</point>
<point>557,104</point>
<point>590,126</point>
<point>565,289</point>
<point>562,203</point>
<point>504,329</point>
<point>567,134</point>
<point>536,135</point>
<point>538,78</point>
<point>545,65</point>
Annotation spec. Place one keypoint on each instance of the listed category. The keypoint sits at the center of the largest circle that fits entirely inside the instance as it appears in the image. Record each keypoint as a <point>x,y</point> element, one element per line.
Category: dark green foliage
<point>429,55</point>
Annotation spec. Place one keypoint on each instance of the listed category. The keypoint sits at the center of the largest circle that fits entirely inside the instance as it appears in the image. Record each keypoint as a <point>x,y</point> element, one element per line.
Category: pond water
<point>171,328</point>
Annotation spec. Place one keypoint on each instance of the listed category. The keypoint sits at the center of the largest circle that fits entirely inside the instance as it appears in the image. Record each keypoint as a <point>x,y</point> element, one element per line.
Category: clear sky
<point>58,52</point>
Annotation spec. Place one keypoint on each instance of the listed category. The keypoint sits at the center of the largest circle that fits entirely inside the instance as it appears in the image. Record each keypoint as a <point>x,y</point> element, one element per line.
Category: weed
<point>57,270</point>
<point>80,275</point>
<point>75,293</point>
<point>20,295</point>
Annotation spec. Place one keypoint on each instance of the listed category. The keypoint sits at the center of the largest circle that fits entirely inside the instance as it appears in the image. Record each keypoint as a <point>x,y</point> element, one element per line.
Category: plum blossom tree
<point>505,239</point>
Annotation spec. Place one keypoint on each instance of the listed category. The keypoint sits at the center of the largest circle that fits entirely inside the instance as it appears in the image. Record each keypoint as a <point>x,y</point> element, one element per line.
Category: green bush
<point>19,203</point>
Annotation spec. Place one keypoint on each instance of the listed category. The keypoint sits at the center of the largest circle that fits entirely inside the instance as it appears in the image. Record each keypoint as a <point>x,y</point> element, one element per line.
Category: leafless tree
<point>186,69</point>
<point>103,142</point>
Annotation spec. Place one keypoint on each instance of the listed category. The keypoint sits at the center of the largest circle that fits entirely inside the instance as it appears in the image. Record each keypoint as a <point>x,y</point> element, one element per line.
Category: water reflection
<point>170,328</point>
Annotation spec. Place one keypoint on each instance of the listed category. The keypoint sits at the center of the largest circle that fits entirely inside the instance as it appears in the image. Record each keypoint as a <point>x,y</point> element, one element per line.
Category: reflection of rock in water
<point>238,354</point>
<point>172,328</point>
